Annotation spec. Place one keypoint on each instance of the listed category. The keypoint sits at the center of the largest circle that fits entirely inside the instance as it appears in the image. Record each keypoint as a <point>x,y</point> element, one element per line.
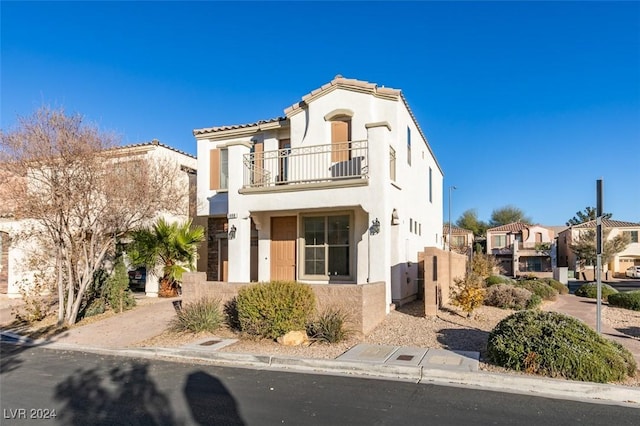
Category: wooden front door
<point>283,248</point>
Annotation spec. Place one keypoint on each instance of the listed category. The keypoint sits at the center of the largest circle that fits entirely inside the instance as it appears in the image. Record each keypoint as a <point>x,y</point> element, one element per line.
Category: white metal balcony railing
<point>318,163</point>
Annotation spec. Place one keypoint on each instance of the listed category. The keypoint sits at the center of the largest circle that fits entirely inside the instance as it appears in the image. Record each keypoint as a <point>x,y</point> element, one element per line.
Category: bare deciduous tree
<point>82,194</point>
<point>584,247</point>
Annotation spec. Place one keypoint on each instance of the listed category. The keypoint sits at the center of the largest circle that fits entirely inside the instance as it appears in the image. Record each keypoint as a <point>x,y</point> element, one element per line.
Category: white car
<point>633,272</point>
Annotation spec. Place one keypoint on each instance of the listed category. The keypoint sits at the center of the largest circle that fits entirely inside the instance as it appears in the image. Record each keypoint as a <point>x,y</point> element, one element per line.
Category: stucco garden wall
<point>365,303</point>
<point>434,265</point>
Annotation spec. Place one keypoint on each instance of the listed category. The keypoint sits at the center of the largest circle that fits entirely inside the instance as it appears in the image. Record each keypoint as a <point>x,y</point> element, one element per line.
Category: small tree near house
<point>171,246</point>
<point>585,246</point>
<point>79,195</point>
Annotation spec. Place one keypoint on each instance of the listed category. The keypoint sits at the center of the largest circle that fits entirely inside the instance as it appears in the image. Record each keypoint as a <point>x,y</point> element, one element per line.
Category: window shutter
<point>214,169</point>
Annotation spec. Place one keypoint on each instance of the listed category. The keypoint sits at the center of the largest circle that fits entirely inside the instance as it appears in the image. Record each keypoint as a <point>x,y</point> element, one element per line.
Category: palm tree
<point>170,245</point>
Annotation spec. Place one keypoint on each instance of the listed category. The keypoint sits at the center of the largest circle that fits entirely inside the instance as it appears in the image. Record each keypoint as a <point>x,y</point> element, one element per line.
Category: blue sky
<point>524,104</point>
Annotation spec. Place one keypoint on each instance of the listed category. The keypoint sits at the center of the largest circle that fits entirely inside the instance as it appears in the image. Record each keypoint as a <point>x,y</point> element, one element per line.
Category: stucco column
<point>378,206</point>
<point>239,222</point>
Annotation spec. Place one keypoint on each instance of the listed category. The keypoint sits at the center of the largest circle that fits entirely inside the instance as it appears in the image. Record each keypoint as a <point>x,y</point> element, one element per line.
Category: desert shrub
<point>231,314</point>
<point>198,316</point>
<point>507,296</point>
<point>272,309</point>
<point>498,279</point>
<point>118,295</point>
<point>560,288</point>
<point>590,290</point>
<point>468,293</point>
<point>541,288</point>
<point>557,345</point>
<point>37,303</point>
<point>627,300</point>
<point>96,307</point>
<point>534,302</point>
<point>330,326</point>
<point>482,265</point>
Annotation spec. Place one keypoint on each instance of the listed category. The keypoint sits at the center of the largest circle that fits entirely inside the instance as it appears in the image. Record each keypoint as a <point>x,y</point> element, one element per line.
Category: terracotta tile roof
<point>509,227</point>
<point>154,142</point>
<point>236,126</point>
<point>346,83</point>
<point>607,223</point>
<point>455,230</point>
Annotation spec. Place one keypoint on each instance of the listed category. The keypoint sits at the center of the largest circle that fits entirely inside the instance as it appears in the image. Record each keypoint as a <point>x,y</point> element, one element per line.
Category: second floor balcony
<point>306,165</point>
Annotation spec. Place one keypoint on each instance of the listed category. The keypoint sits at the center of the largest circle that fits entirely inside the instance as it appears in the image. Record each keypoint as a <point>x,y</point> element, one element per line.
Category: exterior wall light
<point>375,227</point>
<point>232,232</point>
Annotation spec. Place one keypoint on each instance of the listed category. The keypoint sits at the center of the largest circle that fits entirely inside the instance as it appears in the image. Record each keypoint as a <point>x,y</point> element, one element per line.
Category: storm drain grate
<point>405,357</point>
<point>210,342</point>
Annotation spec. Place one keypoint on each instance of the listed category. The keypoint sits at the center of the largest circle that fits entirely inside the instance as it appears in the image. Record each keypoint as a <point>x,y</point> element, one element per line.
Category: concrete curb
<point>498,382</point>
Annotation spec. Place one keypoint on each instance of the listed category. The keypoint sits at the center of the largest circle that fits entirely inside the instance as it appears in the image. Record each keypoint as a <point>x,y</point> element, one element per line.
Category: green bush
<point>627,300</point>
<point>330,326</point>
<point>590,290</point>
<point>498,279</point>
<point>534,302</point>
<point>507,297</point>
<point>272,309</point>
<point>231,314</point>
<point>557,345</point>
<point>541,288</point>
<point>118,294</point>
<point>560,288</point>
<point>198,316</point>
<point>95,307</point>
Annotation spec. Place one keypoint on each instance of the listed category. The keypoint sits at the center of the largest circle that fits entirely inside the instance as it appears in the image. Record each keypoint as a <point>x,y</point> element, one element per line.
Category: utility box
<point>561,274</point>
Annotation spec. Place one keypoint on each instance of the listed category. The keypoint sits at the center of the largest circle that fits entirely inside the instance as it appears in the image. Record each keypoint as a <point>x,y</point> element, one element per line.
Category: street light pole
<point>449,236</point>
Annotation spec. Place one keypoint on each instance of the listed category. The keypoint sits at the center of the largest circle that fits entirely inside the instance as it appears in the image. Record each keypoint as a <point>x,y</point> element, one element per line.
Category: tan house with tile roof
<point>461,239</point>
<point>522,249</point>
<point>617,266</point>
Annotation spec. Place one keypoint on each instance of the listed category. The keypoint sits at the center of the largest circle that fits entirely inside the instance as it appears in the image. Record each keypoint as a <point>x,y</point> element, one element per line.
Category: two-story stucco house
<point>630,256</point>
<point>343,189</point>
<point>15,270</point>
<point>523,249</point>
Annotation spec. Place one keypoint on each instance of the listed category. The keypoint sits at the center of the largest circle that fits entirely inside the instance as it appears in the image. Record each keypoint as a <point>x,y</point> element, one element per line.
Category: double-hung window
<point>633,235</point>
<point>498,241</point>
<point>327,246</point>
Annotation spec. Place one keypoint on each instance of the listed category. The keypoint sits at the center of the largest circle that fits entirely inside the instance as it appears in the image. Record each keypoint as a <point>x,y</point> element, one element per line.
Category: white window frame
<point>302,244</point>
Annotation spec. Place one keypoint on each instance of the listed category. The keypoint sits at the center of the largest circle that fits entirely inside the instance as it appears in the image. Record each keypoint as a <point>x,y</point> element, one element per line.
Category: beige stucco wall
<point>435,264</point>
<point>365,303</point>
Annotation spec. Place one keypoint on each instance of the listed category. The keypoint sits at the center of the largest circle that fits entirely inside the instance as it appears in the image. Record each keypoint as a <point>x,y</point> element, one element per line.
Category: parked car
<point>138,279</point>
<point>633,272</point>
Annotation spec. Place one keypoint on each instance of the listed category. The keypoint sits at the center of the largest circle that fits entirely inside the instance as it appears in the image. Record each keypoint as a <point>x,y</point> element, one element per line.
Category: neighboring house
<point>461,240</point>
<point>14,269</point>
<point>522,249</point>
<point>623,260</point>
<point>342,189</point>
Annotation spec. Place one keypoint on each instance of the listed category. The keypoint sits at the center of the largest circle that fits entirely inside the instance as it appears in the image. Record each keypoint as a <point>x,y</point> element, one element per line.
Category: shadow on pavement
<point>210,401</point>
<point>457,339</point>
<point>124,395</point>
<point>632,332</point>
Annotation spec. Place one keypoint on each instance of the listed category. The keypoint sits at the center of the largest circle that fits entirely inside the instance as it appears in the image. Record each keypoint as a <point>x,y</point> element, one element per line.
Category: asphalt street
<point>82,388</point>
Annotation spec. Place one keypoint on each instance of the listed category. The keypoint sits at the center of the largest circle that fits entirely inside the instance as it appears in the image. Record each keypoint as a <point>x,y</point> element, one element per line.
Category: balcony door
<point>284,149</point>
<point>340,137</point>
